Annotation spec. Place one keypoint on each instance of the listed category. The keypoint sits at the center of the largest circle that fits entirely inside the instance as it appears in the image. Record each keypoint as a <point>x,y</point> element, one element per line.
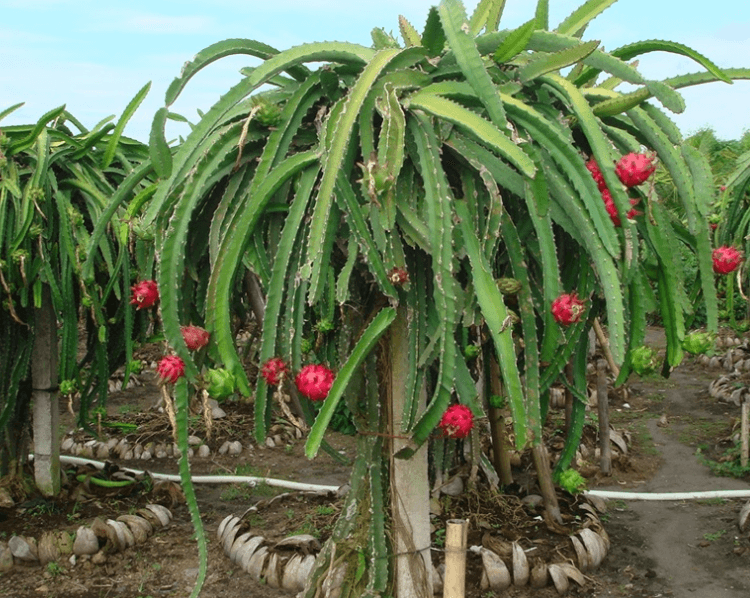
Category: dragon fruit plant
<point>457,154</point>
<point>65,196</point>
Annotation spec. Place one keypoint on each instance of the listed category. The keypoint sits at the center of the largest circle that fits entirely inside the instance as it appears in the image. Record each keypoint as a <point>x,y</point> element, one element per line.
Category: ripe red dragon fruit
<point>567,309</point>
<point>593,167</point>
<point>314,381</point>
<point>457,421</point>
<point>633,169</point>
<point>171,368</point>
<point>144,294</point>
<point>195,337</point>
<point>273,371</point>
<point>609,204</point>
<point>726,259</point>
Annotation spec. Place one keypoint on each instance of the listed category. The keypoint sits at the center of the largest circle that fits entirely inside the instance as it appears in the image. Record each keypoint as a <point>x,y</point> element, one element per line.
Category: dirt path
<point>680,548</point>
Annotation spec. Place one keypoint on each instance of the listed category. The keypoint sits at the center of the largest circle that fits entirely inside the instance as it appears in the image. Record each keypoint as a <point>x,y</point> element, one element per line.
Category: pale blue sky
<point>94,56</point>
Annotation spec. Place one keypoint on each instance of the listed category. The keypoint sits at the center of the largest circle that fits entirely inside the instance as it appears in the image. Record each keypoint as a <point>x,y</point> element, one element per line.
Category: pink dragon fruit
<point>457,421</point>
<point>144,294</point>
<point>633,169</point>
<point>314,381</point>
<point>609,204</point>
<point>593,167</point>
<point>726,259</point>
<point>567,309</point>
<point>273,370</point>
<point>171,368</point>
<point>195,337</point>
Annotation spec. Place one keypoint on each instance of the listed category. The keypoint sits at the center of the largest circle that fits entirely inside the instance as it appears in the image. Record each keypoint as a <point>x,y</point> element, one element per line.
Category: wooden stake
<point>603,409</point>
<point>745,431</point>
<point>604,343</point>
<point>456,535</point>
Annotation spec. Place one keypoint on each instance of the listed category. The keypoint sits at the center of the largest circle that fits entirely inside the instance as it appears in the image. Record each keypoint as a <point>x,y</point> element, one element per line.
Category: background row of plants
<point>364,209</point>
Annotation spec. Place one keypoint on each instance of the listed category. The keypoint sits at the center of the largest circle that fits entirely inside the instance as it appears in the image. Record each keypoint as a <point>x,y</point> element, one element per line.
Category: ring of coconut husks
<point>99,537</point>
<point>287,564</point>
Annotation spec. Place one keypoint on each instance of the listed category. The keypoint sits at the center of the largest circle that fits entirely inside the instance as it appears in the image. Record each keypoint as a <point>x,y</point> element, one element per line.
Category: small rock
<point>161,454</point>
<point>270,442</point>
<point>112,443</point>
<point>128,455</point>
<point>6,500</point>
<point>218,413</point>
<point>194,441</point>
<point>137,451</point>
<point>102,451</point>
<point>204,451</point>
<point>176,451</point>
<point>235,448</point>
<point>6,558</point>
<point>67,444</point>
<point>191,452</point>
<point>453,487</point>
<point>99,558</point>
<point>224,448</point>
<point>533,501</point>
<point>86,542</point>
<point>23,549</point>
<point>146,456</point>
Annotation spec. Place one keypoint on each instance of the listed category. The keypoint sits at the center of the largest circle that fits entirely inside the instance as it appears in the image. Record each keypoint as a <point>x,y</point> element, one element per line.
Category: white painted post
<point>410,486</point>
<point>45,399</point>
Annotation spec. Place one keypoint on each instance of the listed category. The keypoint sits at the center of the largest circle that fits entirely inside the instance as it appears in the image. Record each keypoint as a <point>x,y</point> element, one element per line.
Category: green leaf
<point>10,109</point>
<point>361,350</point>
<point>515,43</point>
<point>486,16</point>
<point>495,314</point>
<point>433,37</point>
<point>656,45</point>
<point>158,148</point>
<point>109,152</point>
<point>582,16</point>
<point>470,61</point>
<point>541,64</point>
<point>410,35</point>
<point>340,130</point>
<point>475,125</point>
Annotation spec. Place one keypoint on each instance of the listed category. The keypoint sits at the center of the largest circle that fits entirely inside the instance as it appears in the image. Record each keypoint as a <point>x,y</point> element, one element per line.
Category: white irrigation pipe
<point>209,479</point>
<point>669,495</point>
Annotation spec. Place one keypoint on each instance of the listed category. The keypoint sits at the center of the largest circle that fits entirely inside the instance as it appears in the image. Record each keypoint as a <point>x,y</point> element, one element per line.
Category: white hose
<point>209,479</point>
<point>669,495</point>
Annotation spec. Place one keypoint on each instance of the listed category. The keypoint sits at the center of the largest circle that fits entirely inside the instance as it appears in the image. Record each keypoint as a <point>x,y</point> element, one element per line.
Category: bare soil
<point>657,548</point>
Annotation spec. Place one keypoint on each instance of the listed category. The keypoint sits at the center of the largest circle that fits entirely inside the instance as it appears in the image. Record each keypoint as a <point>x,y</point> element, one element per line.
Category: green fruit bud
<point>644,360</point>
<point>571,481</point>
<point>325,325</point>
<point>136,366</point>
<point>496,401</point>
<point>471,351</point>
<point>697,343</point>
<point>220,383</point>
<point>68,387</point>
<point>508,286</point>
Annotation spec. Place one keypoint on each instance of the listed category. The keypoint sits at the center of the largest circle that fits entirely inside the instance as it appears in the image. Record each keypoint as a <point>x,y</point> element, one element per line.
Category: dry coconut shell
<point>163,513</point>
<point>246,552</point>
<point>223,525</point>
<point>581,555</point>
<point>230,533</point>
<point>559,578</point>
<point>573,573</point>
<point>304,542</point>
<point>47,548</point>
<point>744,520</point>
<point>496,574</point>
<point>594,546</point>
<point>289,580</point>
<point>64,542</point>
<point>520,566</point>
<point>273,578</point>
<point>238,543</point>
<point>139,527</point>
<point>257,563</point>
<point>539,575</point>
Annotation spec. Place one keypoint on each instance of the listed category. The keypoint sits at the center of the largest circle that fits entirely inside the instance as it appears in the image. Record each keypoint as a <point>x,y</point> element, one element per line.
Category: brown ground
<point>658,548</point>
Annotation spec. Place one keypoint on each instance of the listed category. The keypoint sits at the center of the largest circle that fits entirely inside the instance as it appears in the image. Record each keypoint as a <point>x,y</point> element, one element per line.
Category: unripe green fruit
<point>220,383</point>
<point>508,286</point>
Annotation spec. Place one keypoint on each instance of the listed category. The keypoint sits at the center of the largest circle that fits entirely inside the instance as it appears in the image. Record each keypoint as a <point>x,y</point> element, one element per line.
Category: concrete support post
<point>45,399</point>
